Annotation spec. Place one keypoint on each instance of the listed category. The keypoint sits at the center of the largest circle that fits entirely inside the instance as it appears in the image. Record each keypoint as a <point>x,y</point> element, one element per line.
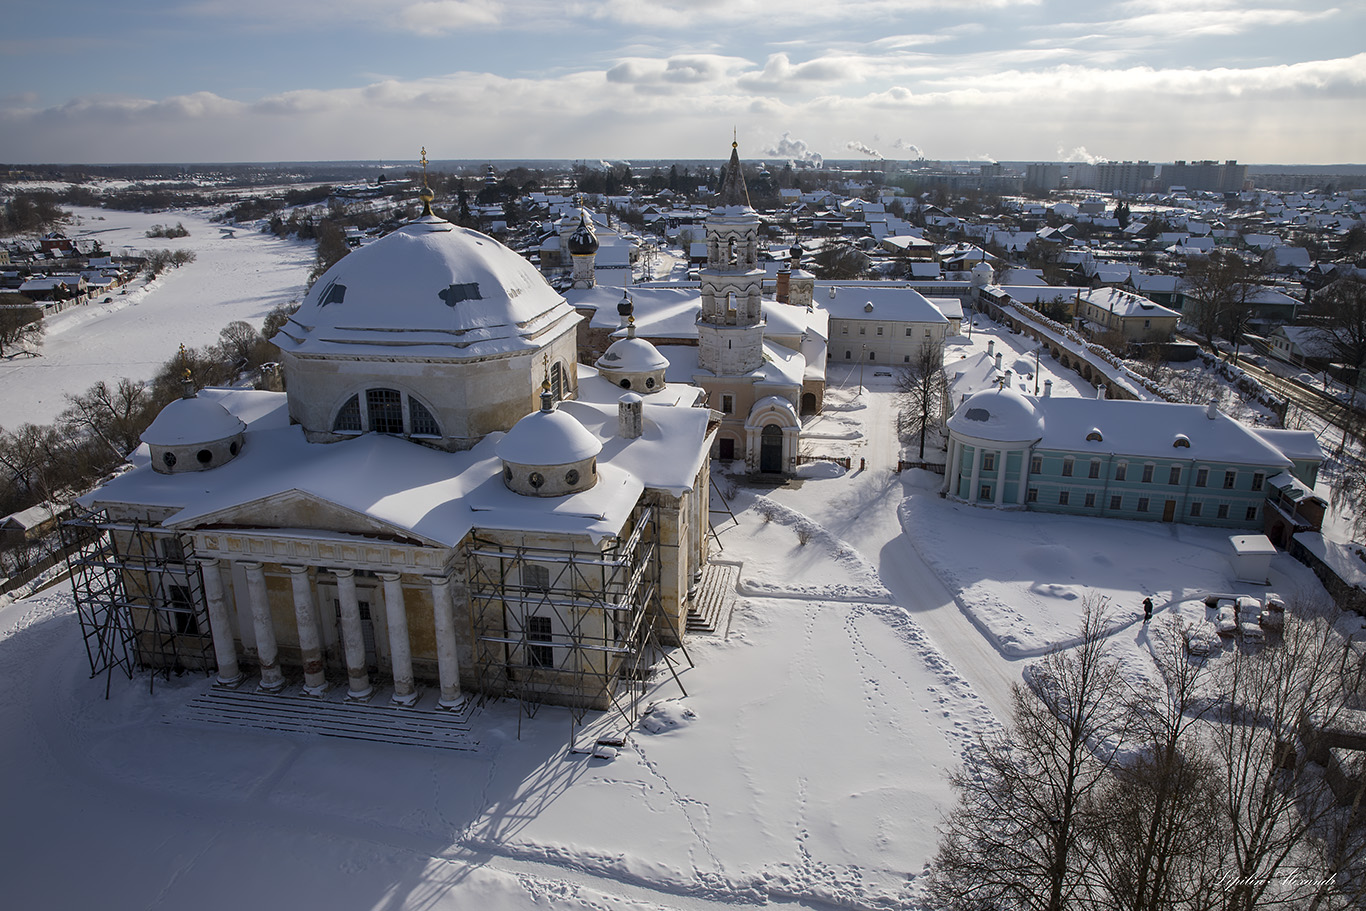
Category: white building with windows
<point>1153,461</point>
<point>880,324</point>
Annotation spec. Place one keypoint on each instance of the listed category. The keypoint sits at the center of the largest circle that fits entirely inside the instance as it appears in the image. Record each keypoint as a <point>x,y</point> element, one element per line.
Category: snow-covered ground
<point>877,628</point>
<point>237,274</point>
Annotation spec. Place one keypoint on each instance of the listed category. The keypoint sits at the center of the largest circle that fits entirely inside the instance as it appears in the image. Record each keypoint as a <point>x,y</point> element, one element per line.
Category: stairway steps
<point>711,605</point>
<point>331,716</point>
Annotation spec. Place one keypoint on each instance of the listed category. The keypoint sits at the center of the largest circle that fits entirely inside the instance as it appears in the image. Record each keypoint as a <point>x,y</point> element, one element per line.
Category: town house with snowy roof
<point>444,502</point>
<point>1153,461</point>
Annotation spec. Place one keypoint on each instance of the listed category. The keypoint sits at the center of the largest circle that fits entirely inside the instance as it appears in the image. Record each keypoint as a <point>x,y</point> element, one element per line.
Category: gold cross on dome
<point>424,166</point>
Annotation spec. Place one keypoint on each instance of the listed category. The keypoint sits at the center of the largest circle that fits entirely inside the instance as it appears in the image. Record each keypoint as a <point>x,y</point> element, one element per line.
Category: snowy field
<point>237,274</point>
<point>876,629</point>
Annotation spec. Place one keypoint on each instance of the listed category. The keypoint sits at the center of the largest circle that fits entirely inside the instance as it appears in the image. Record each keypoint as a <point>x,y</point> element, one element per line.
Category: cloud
<point>780,74</point>
<point>693,69</point>
<point>437,17</point>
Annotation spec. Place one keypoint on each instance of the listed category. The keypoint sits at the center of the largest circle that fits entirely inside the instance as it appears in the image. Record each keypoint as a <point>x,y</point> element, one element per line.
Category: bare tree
<point>1343,303</point>
<point>20,327</point>
<point>922,388</point>
<point>1223,286</point>
<point>1162,830</point>
<point>1274,793</point>
<point>116,416</point>
<point>1022,832</point>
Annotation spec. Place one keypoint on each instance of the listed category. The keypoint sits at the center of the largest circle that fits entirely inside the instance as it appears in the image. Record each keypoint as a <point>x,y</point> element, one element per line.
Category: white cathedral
<point>444,501</point>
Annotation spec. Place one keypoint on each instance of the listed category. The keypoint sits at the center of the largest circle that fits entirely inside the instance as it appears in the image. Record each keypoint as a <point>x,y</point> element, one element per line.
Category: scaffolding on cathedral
<point>570,626</point>
<point>139,597</point>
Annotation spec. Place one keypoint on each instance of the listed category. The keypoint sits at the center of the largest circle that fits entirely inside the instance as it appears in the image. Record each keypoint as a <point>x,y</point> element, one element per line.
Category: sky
<point>1260,81</point>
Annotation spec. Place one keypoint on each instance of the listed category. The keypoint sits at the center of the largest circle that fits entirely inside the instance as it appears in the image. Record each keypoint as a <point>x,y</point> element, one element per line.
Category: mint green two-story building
<point>1154,461</point>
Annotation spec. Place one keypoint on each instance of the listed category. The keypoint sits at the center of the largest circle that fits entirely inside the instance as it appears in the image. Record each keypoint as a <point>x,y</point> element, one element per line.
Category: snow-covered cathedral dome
<point>193,434</point>
<point>434,332</point>
<point>549,453</point>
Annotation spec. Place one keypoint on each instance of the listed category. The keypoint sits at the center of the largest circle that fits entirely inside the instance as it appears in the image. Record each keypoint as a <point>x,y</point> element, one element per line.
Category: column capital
<point>389,576</point>
<point>295,568</point>
<point>251,564</point>
<point>206,561</point>
<point>438,580</point>
<point>345,572</point>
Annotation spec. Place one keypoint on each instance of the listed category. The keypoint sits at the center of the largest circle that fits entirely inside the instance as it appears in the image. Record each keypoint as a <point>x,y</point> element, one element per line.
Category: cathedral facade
<point>442,503</point>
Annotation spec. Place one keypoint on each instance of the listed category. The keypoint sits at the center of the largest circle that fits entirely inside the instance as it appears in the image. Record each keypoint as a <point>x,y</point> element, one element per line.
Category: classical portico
<point>320,570</point>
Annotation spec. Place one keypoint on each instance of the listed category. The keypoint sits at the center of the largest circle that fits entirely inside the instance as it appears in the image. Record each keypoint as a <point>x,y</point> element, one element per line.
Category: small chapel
<point>444,502</point>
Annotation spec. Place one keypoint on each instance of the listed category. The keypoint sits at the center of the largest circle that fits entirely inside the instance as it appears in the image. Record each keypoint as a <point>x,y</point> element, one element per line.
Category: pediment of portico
<point>300,511</point>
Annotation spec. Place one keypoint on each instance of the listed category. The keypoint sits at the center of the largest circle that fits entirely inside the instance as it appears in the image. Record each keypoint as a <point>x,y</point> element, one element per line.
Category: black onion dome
<point>583,241</point>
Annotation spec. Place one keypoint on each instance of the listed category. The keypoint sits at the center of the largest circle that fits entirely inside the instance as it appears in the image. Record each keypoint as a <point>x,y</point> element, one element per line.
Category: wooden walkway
<point>331,715</point>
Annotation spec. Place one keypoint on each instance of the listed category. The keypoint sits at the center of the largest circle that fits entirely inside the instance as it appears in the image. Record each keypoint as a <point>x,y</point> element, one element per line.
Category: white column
<point>951,468</point>
<point>1020,495</point>
<point>306,616</point>
<point>267,652</point>
<point>220,623</point>
<point>353,640</point>
<point>447,660</point>
<point>1001,477</point>
<point>976,473</point>
<point>400,650</point>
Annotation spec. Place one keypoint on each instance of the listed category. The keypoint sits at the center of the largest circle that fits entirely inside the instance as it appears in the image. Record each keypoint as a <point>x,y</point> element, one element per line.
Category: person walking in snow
<point>1147,609</point>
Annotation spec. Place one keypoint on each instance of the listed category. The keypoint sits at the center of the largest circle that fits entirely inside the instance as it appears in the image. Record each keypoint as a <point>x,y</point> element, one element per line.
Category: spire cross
<point>424,166</point>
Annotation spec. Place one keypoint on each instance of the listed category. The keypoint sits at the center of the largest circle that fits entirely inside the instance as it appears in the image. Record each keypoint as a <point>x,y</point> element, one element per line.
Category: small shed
<point>1252,558</point>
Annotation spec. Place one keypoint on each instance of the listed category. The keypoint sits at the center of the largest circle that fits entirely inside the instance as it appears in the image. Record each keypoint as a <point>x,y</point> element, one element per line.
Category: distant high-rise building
<point>1125,176</point>
<point>1205,175</point>
<point>1043,177</point>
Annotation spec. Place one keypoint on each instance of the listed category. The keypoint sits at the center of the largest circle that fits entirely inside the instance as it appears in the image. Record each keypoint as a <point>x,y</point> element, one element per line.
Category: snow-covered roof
<point>428,494</point>
<point>1300,445</point>
<point>1125,304</point>
<point>632,355</point>
<point>660,312</point>
<point>1001,415</point>
<point>951,307</point>
<point>1150,429</point>
<point>429,289</point>
<point>899,304</point>
<point>547,437</point>
<point>186,422</point>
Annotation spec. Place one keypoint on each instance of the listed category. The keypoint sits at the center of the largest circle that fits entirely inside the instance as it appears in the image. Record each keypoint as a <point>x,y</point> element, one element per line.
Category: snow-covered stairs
<point>331,716</point>
<point>710,608</point>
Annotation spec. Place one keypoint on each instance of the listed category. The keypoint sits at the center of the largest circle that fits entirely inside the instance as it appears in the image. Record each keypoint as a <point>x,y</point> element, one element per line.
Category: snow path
<point>862,510</point>
<point>243,276</point>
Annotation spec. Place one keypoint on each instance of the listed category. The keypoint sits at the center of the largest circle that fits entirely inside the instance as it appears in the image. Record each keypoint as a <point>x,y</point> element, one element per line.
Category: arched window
<point>384,408</point>
<point>348,418</point>
<point>421,423</point>
<point>386,411</point>
<point>558,386</point>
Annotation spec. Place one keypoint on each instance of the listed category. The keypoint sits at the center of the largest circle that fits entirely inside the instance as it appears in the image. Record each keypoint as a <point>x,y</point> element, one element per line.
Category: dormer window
<point>1094,437</point>
<point>1181,442</point>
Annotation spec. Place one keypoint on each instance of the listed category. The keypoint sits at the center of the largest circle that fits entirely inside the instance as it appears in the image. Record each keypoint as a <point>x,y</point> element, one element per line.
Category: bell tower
<point>730,328</point>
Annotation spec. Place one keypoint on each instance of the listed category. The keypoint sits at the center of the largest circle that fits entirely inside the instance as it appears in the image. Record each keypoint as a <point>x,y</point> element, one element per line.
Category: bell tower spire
<point>730,327</point>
